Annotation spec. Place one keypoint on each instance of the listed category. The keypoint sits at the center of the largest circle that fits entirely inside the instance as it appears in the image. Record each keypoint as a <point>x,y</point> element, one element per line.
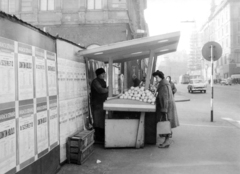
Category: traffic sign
<point>216,51</point>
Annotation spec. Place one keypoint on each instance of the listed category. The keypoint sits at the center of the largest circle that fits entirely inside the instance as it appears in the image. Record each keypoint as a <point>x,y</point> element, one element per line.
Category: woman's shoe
<point>166,144</point>
<point>163,145</point>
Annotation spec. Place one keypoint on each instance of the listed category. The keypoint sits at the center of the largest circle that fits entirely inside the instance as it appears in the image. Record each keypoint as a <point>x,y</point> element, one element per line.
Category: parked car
<point>197,85</point>
<point>226,82</point>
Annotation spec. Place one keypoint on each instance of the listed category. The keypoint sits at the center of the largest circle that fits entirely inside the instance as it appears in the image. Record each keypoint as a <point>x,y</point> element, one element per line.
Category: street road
<point>198,145</point>
<point>226,106</point>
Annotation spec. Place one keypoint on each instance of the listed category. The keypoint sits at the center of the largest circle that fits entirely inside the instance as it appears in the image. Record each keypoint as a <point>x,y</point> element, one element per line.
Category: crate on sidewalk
<point>80,146</point>
<point>82,139</point>
<point>79,157</point>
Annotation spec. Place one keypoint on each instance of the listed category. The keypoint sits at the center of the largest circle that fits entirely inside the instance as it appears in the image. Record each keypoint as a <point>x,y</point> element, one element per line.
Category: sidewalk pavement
<point>195,149</point>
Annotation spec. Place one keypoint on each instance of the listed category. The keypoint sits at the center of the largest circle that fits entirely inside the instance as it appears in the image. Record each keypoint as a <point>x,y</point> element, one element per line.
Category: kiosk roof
<point>134,49</point>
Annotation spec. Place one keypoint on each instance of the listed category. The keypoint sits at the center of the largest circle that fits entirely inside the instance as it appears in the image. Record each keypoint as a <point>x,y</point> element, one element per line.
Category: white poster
<point>72,117</point>
<point>25,71</point>
<point>63,129</point>
<point>7,140</point>
<point>78,122</point>
<point>51,70</point>
<point>26,133</point>
<point>40,79</point>
<point>68,79</point>
<point>53,119</point>
<point>42,127</point>
<point>7,73</point>
<point>62,78</point>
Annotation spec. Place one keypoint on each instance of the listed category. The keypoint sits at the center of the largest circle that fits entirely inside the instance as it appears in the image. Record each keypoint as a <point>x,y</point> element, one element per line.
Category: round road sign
<point>217,51</point>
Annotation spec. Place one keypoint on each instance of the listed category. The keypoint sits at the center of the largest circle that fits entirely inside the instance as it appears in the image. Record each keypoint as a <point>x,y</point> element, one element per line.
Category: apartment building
<point>223,26</point>
<point>86,22</point>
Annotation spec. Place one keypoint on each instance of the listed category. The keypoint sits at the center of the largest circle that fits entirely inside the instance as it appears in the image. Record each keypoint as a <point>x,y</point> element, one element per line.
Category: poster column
<point>53,122</point>
<point>7,107</point>
<point>42,127</point>
<point>26,125</point>
<point>41,102</point>
<point>40,73</point>
<point>51,73</point>
<point>53,100</point>
<point>64,126</point>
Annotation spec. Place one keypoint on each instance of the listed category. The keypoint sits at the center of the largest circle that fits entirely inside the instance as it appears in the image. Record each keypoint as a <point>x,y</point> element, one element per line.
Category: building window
<point>70,4</point>
<point>26,5</point>
<point>237,57</point>
<point>94,4</point>
<point>47,5</point>
<point>8,6</point>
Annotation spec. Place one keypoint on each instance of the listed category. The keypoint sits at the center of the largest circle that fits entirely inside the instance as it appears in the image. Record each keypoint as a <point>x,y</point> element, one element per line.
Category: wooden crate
<point>81,140</point>
<point>79,157</point>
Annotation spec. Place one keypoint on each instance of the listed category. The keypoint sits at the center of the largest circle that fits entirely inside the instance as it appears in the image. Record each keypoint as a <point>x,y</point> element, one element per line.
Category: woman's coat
<point>165,104</point>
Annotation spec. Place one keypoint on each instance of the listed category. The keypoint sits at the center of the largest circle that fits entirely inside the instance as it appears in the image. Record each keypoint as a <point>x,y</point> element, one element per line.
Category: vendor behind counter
<point>99,94</point>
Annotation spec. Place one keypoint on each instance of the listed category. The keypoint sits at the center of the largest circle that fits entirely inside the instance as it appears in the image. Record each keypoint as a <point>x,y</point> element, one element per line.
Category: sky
<point>165,16</point>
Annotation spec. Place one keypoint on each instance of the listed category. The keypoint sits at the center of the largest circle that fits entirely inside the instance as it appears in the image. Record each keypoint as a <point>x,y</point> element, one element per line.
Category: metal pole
<point>212,83</point>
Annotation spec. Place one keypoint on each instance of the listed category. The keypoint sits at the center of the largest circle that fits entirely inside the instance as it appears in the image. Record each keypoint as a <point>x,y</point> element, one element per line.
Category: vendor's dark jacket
<point>165,104</point>
<point>99,94</point>
<point>136,82</point>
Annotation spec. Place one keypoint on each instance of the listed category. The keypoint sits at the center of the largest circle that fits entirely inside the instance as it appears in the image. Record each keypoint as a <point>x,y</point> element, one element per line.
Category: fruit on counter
<point>136,93</point>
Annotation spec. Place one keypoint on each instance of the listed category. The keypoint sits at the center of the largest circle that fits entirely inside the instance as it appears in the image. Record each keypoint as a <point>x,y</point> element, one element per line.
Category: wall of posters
<point>26,142</point>
<point>26,111</point>
<point>25,71</point>
<point>7,72</point>
<point>62,75</point>
<point>53,122</point>
<point>40,73</point>
<point>7,138</point>
<point>51,73</point>
<point>30,93</point>
<point>63,121</point>
<point>42,128</point>
<point>72,92</point>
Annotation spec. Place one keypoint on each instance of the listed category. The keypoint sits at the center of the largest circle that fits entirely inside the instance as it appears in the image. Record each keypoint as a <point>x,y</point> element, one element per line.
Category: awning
<point>134,49</point>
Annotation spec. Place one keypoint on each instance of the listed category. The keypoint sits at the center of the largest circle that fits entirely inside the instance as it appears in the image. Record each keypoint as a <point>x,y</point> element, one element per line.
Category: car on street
<point>226,82</point>
<point>197,85</point>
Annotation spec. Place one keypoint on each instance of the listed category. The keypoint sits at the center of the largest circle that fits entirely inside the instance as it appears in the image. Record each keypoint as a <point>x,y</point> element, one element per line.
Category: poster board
<point>72,92</point>
<point>26,109</point>
<point>7,106</point>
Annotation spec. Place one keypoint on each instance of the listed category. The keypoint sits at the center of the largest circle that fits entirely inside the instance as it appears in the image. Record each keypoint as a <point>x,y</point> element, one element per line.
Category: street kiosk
<point>130,132</point>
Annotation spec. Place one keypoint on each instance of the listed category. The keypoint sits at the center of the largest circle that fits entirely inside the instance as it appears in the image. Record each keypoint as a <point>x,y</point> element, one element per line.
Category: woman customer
<point>165,105</point>
<point>174,89</point>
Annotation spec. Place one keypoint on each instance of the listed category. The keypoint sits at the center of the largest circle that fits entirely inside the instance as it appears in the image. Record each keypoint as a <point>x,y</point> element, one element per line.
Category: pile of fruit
<point>136,93</point>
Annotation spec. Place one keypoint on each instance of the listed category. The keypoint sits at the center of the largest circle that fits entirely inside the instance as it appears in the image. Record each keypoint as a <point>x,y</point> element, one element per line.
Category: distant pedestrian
<point>165,105</point>
<point>174,89</point>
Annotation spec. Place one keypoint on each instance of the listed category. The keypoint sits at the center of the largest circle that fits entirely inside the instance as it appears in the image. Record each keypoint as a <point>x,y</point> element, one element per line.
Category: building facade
<point>86,22</point>
<point>223,26</point>
<point>194,60</point>
<point>89,23</point>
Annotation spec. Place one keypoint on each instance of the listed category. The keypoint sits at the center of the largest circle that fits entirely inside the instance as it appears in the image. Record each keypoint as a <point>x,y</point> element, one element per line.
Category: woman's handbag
<point>164,127</point>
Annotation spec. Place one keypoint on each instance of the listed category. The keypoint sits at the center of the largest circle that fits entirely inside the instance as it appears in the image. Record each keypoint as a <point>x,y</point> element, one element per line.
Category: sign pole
<point>212,83</point>
<point>212,51</point>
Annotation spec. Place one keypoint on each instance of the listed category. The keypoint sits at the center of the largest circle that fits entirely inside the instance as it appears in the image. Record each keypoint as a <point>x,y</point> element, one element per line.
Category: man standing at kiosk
<point>99,93</point>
